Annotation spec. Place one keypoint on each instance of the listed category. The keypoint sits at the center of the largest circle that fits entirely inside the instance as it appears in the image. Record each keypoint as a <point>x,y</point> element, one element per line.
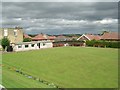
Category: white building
<point>32,45</point>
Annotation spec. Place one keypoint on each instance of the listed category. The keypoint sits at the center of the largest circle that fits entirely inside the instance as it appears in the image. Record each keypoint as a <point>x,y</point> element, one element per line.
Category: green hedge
<point>109,44</point>
<point>27,40</point>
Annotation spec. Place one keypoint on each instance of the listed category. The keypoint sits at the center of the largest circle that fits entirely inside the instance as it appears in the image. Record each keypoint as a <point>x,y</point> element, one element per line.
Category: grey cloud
<point>60,0</point>
<point>61,10</point>
<point>47,17</point>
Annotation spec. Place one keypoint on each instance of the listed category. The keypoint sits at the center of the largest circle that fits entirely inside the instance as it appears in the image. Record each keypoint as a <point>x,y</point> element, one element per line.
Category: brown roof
<point>40,37</point>
<point>51,37</point>
<point>93,37</point>
<point>111,35</point>
<point>60,37</point>
<point>26,36</point>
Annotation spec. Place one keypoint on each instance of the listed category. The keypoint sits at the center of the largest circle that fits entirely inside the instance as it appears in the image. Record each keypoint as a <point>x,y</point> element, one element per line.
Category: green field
<point>67,67</point>
<point>12,79</point>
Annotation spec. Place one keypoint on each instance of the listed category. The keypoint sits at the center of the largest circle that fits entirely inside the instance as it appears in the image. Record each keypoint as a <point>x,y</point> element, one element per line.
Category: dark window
<point>32,45</point>
<point>43,44</point>
<point>19,46</point>
<point>37,44</point>
<point>15,32</point>
<point>26,46</point>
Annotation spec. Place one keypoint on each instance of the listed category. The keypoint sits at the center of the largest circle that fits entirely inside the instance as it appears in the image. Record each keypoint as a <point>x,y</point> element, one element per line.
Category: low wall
<point>68,43</point>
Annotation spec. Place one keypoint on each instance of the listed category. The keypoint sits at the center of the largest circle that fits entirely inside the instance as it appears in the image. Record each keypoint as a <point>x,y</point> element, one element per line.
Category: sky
<point>60,17</point>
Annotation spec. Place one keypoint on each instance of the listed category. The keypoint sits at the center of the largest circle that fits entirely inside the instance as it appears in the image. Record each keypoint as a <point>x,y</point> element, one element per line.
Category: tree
<point>105,32</point>
<point>5,43</point>
<point>27,40</point>
<point>74,39</point>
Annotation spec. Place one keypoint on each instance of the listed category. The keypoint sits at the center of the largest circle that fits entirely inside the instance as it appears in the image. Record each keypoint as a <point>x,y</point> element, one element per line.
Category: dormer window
<point>5,32</point>
<point>15,33</point>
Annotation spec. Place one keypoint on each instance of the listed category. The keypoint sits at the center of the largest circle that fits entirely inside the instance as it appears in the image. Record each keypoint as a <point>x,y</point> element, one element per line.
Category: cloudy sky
<point>61,17</point>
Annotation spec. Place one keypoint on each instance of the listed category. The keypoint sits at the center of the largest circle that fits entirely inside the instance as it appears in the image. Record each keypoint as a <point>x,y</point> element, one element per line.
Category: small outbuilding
<point>34,45</point>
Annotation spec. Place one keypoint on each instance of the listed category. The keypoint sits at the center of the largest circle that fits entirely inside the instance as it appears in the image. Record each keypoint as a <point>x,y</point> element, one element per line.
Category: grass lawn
<point>11,79</point>
<point>67,67</point>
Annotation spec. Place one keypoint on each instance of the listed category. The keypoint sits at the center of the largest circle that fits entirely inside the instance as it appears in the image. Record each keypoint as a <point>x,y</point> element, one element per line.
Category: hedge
<point>109,44</point>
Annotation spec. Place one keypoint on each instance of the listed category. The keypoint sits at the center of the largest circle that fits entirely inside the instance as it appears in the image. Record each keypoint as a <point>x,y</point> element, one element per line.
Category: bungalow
<point>43,37</point>
<point>111,36</point>
<point>62,38</point>
<point>52,38</point>
<point>89,37</point>
<point>34,45</point>
<point>40,37</point>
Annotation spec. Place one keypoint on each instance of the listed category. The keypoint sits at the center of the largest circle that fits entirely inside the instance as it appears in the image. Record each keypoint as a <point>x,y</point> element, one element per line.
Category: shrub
<point>27,40</point>
<point>109,44</point>
<point>5,43</point>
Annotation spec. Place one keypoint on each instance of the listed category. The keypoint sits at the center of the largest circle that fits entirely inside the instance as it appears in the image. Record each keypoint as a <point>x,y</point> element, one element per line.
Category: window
<point>43,44</point>
<point>19,46</point>
<point>26,46</point>
<point>15,33</point>
<point>32,45</point>
<point>38,44</point>
<point>5,32</point>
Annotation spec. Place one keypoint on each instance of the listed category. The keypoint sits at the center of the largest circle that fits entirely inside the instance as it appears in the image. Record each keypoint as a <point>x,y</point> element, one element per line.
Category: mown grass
<point>11,79</point>
<point>68,67</point>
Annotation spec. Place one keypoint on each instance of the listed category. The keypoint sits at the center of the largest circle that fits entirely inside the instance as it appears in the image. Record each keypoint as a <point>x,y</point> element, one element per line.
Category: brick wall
<point>11,36</point>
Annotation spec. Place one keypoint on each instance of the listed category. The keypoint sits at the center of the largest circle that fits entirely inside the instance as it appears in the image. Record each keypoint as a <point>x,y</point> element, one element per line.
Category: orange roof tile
<point>39,37</point>
<point>51,37</point>
<point>93,37</point>
<point>26,36</point>
<point>111,35</point>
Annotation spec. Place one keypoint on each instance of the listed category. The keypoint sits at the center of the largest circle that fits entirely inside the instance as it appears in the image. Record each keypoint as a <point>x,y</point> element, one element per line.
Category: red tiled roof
<point>39,37</point>
<point>61,36</point>
<point>51,37</point>
<point>26,36</point>
<point>111,35</point>
<point>93,37</point>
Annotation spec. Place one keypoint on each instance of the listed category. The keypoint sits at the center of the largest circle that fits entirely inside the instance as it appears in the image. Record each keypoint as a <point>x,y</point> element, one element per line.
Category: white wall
<point>23,48</point>
<point>46,45</point>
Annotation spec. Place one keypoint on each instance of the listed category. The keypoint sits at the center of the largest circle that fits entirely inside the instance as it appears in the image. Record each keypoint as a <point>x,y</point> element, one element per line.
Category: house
<point>74,38</point>
<point>15,35</point>
<point>89,37</point>
<point>61,38</point>
<point>52,38</point>
<point>26,36</point>
<point>33,45</point>
<point>40,37</point>
<point>111,36</point>
<point>43,37</point>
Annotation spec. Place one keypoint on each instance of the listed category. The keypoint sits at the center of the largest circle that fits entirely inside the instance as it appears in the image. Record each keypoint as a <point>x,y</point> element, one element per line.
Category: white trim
<point>5,32</point>
<point>1,86</point>
<point>82,36</point>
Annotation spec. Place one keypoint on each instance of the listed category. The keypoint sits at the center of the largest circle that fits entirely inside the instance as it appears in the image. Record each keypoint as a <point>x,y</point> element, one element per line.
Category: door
<point>38,45</point>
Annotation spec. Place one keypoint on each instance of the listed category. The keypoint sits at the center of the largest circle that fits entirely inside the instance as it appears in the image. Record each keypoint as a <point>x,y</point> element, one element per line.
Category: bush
<point>27,40</point>
<point>109,44</point>
<point>5,43</point>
